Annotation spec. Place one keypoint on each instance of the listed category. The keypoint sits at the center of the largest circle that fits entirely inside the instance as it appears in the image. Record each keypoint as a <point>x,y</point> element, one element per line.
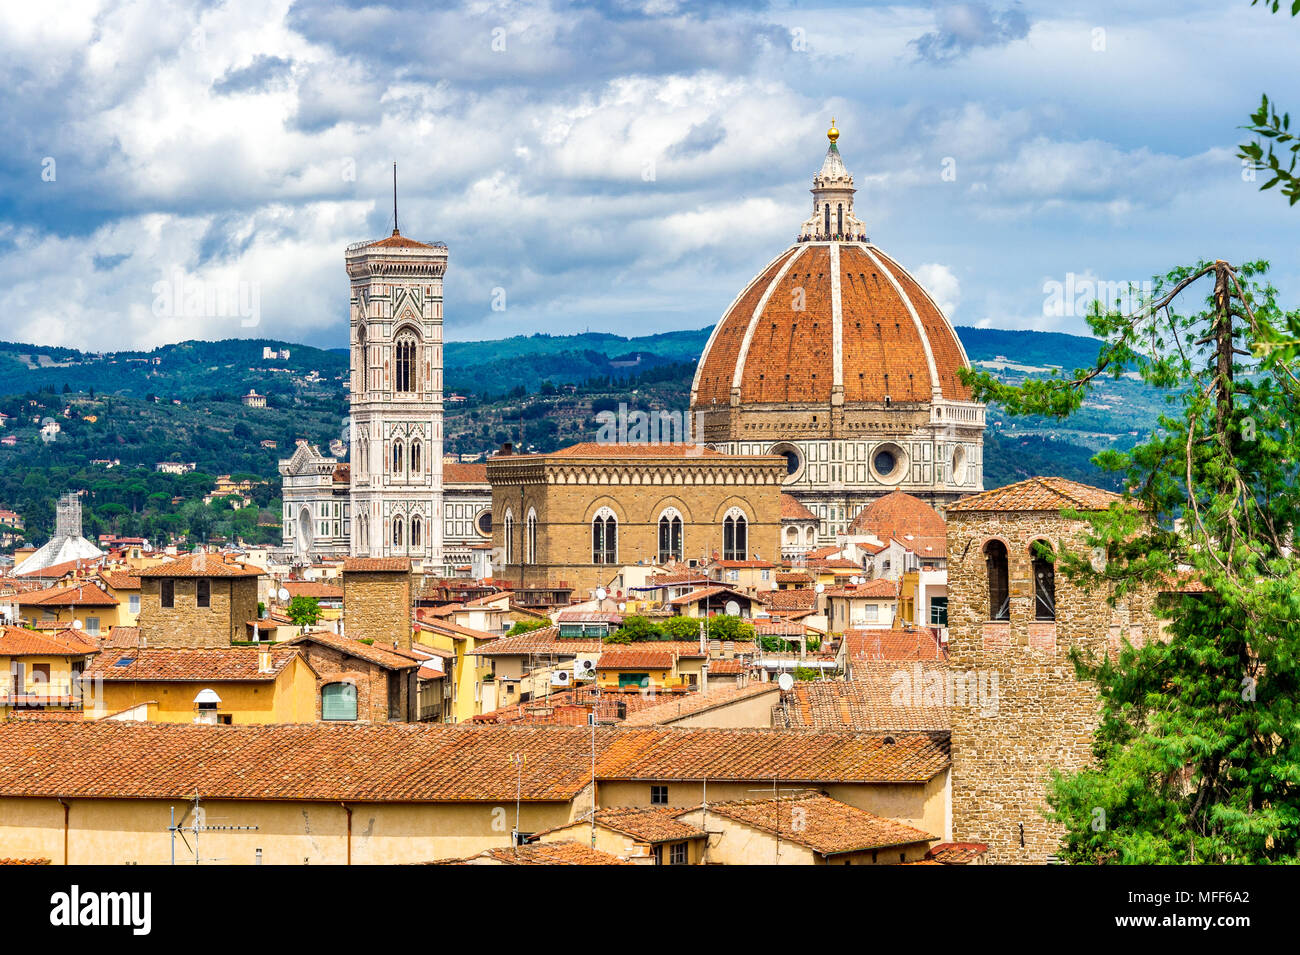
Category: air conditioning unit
<point>584,668</point>
<point>561,678</point>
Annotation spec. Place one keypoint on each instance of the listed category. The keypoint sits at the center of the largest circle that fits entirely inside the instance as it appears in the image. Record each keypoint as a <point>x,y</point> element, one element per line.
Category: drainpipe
<point>348,810</point>
<point>67,809</point>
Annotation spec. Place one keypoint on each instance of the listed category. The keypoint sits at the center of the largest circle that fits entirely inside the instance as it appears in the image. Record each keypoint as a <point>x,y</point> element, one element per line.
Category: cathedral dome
<point>828,317</point>
<point>832,317</point>
<point>837,359</point>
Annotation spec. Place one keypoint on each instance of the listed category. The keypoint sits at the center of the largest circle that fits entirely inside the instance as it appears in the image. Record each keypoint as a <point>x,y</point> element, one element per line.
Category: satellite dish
<point>622,607</point>
<point>283,595</point>
<point>785,681</point>
<point>820,588</point>
<point>76,625</point>
<point>601,593</point>
<point>855,581</point>
<point>733,609</point>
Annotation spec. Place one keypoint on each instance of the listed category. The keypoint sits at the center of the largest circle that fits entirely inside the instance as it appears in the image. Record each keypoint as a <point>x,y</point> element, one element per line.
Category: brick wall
<point>371,681</point>
<point>566,501</point>
<point>377,606</point>
<point>186,624</point>
<point>1043,716</point>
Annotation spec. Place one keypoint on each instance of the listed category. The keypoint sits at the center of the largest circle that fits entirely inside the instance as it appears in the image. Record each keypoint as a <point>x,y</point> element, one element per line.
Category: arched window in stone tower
<point>1044,572</point>
<point>397,532</point>
<point>670,535</point>
<point>735,535</point>
<point>415,456</point>
<point>405,366</point>
<point>397,457</point>
<point>839,219</point>
<point>508,535</point>
<point>417,532</point>
<point>604,537</point>
<point>826,209</point>
<point>363,359</point>
<point>995,560</point>
<point>530,538</point>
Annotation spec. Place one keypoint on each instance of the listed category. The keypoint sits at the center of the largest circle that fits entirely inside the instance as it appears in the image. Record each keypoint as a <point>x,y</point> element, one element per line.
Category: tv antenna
<point>198,825</point>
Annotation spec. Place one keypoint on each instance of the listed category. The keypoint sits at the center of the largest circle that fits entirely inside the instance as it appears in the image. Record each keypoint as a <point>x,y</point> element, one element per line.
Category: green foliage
<point>525,626</point>
<point>806,673</point>
<point>635,629</point>
<point>1198,744</point>
<point>304,611</point>
<point>680,628</point>
<point>1273,128</point>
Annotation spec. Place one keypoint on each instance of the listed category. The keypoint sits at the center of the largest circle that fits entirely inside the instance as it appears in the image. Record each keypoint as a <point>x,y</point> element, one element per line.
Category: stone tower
<point>396,397</point>
<point>1019,711</point>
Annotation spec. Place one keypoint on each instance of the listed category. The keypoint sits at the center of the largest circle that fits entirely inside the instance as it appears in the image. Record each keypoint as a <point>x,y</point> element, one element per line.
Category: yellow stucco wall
<point>291,698</point>
<point>118,831</point>
<point>59,686</point>
<point>923,805</point>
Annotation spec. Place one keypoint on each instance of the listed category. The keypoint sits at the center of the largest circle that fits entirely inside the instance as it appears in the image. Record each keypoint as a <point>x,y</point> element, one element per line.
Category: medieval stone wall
<point>1043,717</point>
<point>377,606</point>
<point>186,624</point>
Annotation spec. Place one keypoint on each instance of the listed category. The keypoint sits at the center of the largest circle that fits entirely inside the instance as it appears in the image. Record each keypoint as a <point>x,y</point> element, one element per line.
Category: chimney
<point>507,449</point>
<point>263,661</point>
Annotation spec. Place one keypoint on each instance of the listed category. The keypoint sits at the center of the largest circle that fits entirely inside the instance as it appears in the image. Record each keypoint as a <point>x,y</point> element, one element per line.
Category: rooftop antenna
<point>395,232</point>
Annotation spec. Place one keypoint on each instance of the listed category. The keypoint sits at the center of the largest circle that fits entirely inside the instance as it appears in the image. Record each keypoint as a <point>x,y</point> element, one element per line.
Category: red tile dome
<point>827,314</point>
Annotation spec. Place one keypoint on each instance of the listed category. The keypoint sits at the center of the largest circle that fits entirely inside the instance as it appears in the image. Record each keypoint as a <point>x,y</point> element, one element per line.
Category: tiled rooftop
<point>422,762</point>
<point>825,825</point>
<point>1038,494</point>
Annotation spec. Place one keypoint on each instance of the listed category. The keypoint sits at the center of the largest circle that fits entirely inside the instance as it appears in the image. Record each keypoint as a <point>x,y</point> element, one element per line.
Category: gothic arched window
<point>604,537</point>
<point>1044,572</point>
<point>405,363</point>
<point>508,533</point>
<point>415,457</point>
<point>363,359</point>
<point>670,536</point>
<point>397,457</point>
<point>530,542</point>
<point>839,219</point>
<point>995,560</point>
<point>416,531</point>
<point>735,535</point>
<point>397,532</point>
<point>827,210</point>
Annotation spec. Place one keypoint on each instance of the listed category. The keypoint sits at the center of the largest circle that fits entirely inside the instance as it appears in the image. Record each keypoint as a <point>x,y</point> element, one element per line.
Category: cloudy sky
<point>623,166</point>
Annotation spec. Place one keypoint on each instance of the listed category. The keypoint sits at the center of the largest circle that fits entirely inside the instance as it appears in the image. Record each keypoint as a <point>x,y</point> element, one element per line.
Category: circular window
<point>793,460</point>
<point>889,463</point>
<point>484,522</point>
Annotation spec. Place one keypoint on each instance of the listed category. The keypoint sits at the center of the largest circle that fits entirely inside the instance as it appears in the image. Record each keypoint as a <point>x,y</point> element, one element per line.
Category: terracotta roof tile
<point>1038,494</point>
<point>87,594</point>
<point>792,510</point>
<point>896,515</point>
<point>866,645</point>
<point>826,825</point>
<point>377,565</point>
<point>313,588</point>
<point>465,473</point>
<point>201,565</point>
<point>170,665</point>
<point>872,701</point>
<point>422,762</point>
<point>16,641</point>
<point>377,654</point>
<point>539,853</point>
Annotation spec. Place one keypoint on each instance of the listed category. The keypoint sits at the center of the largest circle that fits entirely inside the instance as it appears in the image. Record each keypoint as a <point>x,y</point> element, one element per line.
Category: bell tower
<point>396,396</point>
